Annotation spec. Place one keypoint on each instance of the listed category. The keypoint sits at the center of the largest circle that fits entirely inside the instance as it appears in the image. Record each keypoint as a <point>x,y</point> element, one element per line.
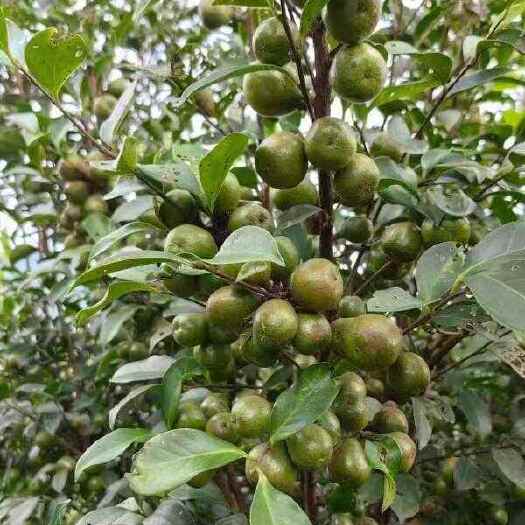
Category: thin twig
<point>376,274</point>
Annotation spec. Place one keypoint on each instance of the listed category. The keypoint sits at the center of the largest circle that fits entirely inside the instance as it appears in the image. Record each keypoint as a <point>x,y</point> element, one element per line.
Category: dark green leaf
<point>466,474</point>
<point>311,12</point>
<point>392,300</point>
<point>476,411</point>
<point>511,464</point>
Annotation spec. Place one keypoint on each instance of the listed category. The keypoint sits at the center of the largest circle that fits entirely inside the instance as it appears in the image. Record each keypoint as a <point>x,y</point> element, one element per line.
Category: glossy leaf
<point>154,367</point>
<point>296,215</point>
<point>133,394</point>
<point>311,12</point>
<point>423,426</point>
<point>511,464</point>
<point>111,125</point>
<point>478,79</point>
<point>476,411</point>
<point>392,300</point>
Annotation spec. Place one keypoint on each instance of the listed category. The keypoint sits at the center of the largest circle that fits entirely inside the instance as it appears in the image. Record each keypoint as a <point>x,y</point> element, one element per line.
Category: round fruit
<point>179,209</point>
<point>271,93</point>
<point>96,204</point>
<point>317,285</point>
<point>304,193</point>
<point>455,230</point>
<point>44,439</point>
<point>280,160</point>
<point>447,470</point>
<point>401,241</point>
<point>349,464</point>
<point>375,388</point>
<point>408,377</point>
<point>181,285</point>
<point>439,487</point>
<point>104,105</point>
<point>351,306</point>
<point>76,191</point>
<point>274,324</point>
<point>229,195</point>
<point>330,143</point>
<point>314,334</point>
<point>330,422</point>
<point>369,341</point>
<point>214,356</point>
<point>192,239</point>
<point>205,102</point>
<point>353,389</point>
<point>190,329</point>
<point>117,87</point>
<point>358,229</point>
<point>223,426</point>
<point>191,416</point>
<point>351,21</point>
<point>214,16</point>
<point>291,258</point>
<point>408,450</point>
<point>262,356</point>
<point>499,515</point>
<point>137,351</point>
<point>215,404</point>
<point>353,415</point>
<point>356,184</point>
<point>390,419</point>
<point>358,72</point>
<point>251,214</point>
<point>275,464</point>
<point>95,484</point>
<point>271,44</point>
<point>252,416</point>
<point>227,309</point>
<point>310,448</point>
<point>385,146</point>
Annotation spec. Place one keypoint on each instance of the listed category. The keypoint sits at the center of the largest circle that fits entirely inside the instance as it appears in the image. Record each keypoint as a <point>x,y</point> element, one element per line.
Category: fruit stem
<point>310,496</point>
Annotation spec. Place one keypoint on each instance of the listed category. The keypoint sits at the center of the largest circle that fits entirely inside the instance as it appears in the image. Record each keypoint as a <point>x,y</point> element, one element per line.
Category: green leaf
<point>134,209</point>
<point>408,497</point>
<point>13,40</point>
<point>423,426</point>
<point>467,474</point>
<point>111,516</point>
<point>104,244</point>
<point>110,447</point>
<point>248,244</point>
<point>478,79</point>
<point>114,321</point>
<point>114,292</point>
<point>57,510</point>
<point>172,458</point>
<point>272,507</point>
<point>392,300</point>
<point>154,367</point>
<point>178,174</point>
<point>476,411</point>
<point>511,464</point>
<point>246,176</point>
<point>296,215</point>
<point>513,9</point>
<point>409,91</point>
<point>225,73</point>
<point>128,156</point>
<point>261,4</point>
<point>51,60</point>
<point>451,201</point>
<point>304,402</point>
<point>123,262</point>
<point>182,369</point>
<point>437,270</point>
<point>133,394</point>
<point>460,315</point>
<point>385,456</point>
<point>214,167</point>
<point>311,12</point>
<point>111,125</point>
<point>401,135</point>
<point>440,65</point>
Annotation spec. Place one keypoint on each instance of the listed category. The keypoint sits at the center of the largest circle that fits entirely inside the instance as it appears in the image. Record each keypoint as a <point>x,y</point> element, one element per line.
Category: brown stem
<point>383,268</point>
<point>310,496</point>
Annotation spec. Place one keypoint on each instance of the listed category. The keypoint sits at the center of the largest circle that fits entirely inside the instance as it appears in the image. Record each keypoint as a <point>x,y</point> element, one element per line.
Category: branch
<point>376,274</point>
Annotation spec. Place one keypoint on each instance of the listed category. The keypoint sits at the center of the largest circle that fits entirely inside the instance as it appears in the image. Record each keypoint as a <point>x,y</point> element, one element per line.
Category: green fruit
<point>330,143</point>
<point>223,426</point>
<point>227,309</point>
<point>352,414</point>
<point>259,355</point>
<point>349,464</point>
<point>439,487</point>
<point>342,519</point>
<point>408,450</point>
<point>317,285</point>
<point>401,241</point>
<point>229,195</point>
<point>358,229</point>
<point>291,258</point>
<point>251,214</point>
<point>72,213</point>
<point>358,73</point>
<point>214,356</point>
<point>275,464</point>
<point>252,416</point>
<point>385,146</point>
<point>280,160</point>
<point>95,485</point>
<point>353,389</point>
<point>390,419</point>
<point>182,285</point>
<point>375,387</point>
<point>215,404</point>
<point>117,87</point>
<point>330,422</point>
<point>191,416</point>
<point>271,44</point>
<point>190,329</point>
<point>258,273</point>
<point>77,191</point>
<point>191,239</point>
<point>314,334</point>
<point>274,324</point>
<point>181,208</point>
<point>214,16</point>
<point>137,351</point>
<point>455,230</point>
<point>272,93</point>
<point>205,102</point>
<point>369,341</point>
<point>44,440</point>
<point>409,376</point>
<point>351,21</point>
<point>351,306</point>
<point>96,204</point>
<point>355,185</point>
<point>499,515</point>
<point>311,448</point>
<point>447,470</point>
<point>104,105</point>
<point>304,193</point>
